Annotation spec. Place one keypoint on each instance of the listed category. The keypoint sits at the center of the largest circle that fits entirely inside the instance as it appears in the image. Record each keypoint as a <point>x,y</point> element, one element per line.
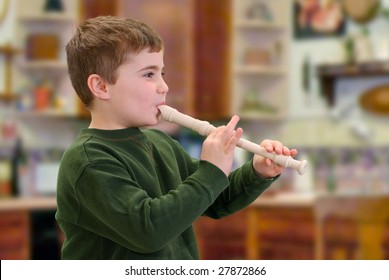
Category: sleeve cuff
<point>252,180</point>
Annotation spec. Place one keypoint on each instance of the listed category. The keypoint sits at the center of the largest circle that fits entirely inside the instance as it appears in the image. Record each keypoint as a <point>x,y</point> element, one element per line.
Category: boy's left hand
<point>265,167</point>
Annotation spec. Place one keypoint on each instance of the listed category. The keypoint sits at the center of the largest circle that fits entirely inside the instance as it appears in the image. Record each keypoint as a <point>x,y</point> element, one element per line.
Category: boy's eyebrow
<point>151,67</point>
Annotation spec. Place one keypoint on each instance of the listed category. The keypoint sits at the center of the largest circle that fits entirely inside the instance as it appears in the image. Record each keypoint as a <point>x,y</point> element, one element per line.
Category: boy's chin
<point>155,122</point>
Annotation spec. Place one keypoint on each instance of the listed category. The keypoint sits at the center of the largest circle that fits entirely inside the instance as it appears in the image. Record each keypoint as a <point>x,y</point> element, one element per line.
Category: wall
<point>328,50</point>
<point>311,121</point>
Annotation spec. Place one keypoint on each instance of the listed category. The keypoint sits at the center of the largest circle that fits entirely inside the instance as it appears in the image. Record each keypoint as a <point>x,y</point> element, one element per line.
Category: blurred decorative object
<point>306,75</point>
<point>5,177</point>
<point>358,48</point>
<point>9,129</point>
<point>331,183</point>
<point>53,6</point>
<point>257,56</point>
<point>9,52</point>
<point>349,50</point>
<point>251,103</point>
<point>361,11</point>
<point>42,46</point>
<point>316,18</point>
<point>362,48</point>
<point>260,11</point>
<point>277,52</point>
<point>43,96</point>
<point>376,100</point>
<point>3,9</point>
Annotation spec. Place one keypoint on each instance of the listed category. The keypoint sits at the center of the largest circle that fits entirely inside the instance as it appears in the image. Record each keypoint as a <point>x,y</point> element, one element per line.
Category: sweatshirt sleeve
<point>245,186</point>
<point>116,207</point>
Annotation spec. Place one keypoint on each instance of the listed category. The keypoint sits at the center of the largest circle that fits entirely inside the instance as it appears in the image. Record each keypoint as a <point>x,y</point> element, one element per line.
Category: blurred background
<point>310,73</point>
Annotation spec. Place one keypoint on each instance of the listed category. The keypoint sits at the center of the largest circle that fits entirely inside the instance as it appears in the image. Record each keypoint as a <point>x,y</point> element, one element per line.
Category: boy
<point>128,193</point>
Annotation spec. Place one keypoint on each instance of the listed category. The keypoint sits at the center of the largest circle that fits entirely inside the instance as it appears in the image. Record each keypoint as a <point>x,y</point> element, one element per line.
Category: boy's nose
<point>163,88</point>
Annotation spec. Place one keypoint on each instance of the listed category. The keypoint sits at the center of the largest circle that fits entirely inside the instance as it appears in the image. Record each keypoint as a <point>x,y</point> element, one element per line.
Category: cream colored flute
<point>204,128</point>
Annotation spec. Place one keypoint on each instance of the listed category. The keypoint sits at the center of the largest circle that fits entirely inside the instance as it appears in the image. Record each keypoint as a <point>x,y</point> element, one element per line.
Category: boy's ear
<point>98,87</point>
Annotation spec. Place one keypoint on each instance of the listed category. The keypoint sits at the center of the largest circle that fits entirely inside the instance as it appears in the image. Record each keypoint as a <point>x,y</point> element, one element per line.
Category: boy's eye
<point>149,75</point>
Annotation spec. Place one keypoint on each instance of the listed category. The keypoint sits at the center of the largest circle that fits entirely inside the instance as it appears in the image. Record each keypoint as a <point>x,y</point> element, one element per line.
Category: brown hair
<point>100,46</point>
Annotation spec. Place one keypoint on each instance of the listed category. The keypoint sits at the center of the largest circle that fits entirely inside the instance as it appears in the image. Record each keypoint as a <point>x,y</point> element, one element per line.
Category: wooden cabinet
<point>197,36</point>
<point>14,235</point>
<point>28,229</point>
<point>173,20</point>
<point>212,52</point>
<point>224,238</point>
<point>257,232</point>
<point>276,233</point>
<point>329,228</point>
<point>352,227</point>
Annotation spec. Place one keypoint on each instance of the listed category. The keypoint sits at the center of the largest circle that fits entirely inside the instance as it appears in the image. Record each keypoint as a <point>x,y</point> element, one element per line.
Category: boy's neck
<point>103,122</point>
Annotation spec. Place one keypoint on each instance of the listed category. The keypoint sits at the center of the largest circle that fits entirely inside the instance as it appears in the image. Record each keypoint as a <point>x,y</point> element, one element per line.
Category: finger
<point>268,162</point>
<point>278,147</point>
<point>285,151</point>
<point>267,145</point>
<point>293,152</point>
<point>289,152</point>
<point>273,146</point>
<point>228,130</point>
<point>237,134</point>
<point>232,123</point>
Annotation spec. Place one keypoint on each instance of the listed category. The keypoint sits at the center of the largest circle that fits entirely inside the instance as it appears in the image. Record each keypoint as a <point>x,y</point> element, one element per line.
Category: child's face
<point>139,90</point>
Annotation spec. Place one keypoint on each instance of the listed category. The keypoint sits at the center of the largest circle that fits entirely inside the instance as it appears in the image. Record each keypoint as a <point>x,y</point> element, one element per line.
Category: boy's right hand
<point>218,148</point>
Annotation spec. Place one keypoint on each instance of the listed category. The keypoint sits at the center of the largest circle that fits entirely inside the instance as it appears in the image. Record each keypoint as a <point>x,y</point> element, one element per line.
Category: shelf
<point>8,50</point>
<point>49,114</point>
<point>259,70</point>
<point>8,97</point>
<point>261,25</point>
<point>373,68</point>
<point>48,18</point>
<point>261,116</point>
<point>36,203</point>
<point>329,73</point>
<point>52,65</point>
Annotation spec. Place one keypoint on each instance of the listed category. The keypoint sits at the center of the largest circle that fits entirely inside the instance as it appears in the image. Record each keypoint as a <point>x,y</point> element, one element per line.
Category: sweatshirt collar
<point>116,134</point>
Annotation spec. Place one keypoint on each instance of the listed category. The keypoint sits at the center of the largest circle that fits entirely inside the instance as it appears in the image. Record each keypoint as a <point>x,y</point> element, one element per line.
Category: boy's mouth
<point>160,104</point>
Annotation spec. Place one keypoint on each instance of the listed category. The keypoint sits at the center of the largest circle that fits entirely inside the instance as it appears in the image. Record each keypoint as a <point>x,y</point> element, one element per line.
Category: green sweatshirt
<point>134,194</point>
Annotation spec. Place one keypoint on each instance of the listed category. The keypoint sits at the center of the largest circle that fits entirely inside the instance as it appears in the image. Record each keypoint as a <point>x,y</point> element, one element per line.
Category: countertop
<point>276,200</point>
<point>36,203</point>
<point>307,199</point>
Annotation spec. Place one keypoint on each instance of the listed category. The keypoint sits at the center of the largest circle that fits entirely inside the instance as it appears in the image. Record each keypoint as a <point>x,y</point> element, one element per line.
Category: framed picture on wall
<point>318,18</point>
